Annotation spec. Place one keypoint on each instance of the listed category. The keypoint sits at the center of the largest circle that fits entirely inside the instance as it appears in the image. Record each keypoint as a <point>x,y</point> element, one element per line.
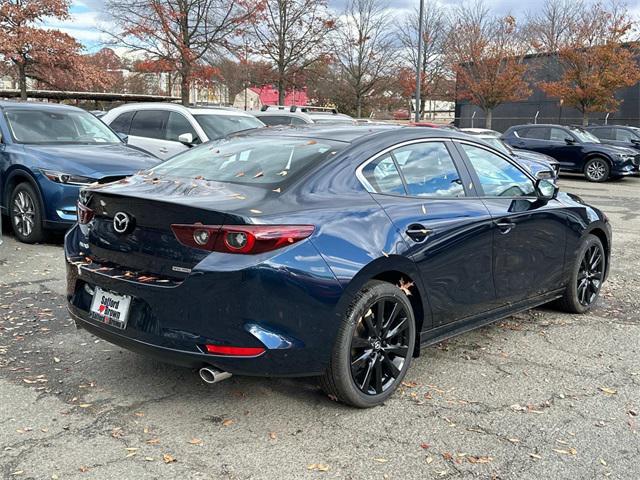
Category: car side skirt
<point>445,332</point>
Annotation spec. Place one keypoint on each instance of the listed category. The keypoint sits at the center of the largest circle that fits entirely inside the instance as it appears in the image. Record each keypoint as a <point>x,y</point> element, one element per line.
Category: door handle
<point>505,227</point>
<point>163,149</point>
<point>418,233</point>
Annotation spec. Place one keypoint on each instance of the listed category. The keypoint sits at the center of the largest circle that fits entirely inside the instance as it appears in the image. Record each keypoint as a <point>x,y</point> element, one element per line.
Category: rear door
<point>529,235</point>
<point>148,131</point>
<point>446,232</point>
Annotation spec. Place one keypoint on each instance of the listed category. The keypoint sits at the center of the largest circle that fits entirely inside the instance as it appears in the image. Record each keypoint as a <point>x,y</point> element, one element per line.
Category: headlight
<point>626,156</point>
<point>67,178</point>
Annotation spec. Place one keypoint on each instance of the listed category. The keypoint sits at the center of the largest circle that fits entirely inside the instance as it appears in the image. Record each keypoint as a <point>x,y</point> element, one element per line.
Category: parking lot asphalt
<point>541,395</point>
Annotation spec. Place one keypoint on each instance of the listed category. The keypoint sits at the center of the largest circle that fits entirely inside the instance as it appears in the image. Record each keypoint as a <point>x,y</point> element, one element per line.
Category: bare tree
<point>487,55</point>
<point>363,47</point>
<point>432,62</point>
<point>180,32</point>
<point>293,34</point>
<point>549,28</point>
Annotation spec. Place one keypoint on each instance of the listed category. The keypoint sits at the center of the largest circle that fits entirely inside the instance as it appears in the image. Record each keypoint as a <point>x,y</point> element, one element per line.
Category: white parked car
<point>166,129</point>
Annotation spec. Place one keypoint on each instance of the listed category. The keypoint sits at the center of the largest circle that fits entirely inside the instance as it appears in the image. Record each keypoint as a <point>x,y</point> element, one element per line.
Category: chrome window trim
<point>365,183</point>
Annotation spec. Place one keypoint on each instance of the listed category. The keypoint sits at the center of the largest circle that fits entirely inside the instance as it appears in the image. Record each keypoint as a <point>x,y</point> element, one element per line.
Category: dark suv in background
<point>622,136</point>
<point>576,149</point>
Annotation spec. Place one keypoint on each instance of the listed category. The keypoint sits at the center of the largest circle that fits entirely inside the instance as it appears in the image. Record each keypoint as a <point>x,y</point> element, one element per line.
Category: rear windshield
<point>219,126</point>
<point>250,160</point>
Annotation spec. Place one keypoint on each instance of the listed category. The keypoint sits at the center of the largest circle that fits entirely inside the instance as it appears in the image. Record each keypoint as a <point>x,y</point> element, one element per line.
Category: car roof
<point>175,107</point>
<point>278,113</point>
<point>350,134</point>
<point>37,105</point>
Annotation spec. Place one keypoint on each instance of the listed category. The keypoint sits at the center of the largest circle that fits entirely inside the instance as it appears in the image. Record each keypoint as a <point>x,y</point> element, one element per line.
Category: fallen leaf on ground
<point>227,422</point>
<point>318,467</point>
<point>381,460</point>
<point>479,459</point>
<point>608,391</point>
<point>534,455</point>
<point>196,441</point>
<point>168,458</point>
<point>273,435</point>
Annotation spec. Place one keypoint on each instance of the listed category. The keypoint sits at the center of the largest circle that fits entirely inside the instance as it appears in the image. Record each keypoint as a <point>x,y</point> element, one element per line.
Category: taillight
<point>242,239</point>
<point>85,214</point>
<point>234,351</point>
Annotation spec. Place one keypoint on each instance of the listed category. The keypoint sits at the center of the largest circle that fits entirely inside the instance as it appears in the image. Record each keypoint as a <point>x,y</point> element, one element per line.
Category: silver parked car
<point>166,129</point>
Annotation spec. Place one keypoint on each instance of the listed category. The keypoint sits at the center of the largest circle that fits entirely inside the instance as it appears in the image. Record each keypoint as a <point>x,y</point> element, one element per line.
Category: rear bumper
<point>289,312</point>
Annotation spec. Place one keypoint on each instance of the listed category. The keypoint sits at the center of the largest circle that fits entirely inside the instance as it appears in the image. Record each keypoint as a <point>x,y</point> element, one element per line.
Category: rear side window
<point>604,133</point>
<point>498,177</point>
<point>429,170</point>
<point>297,121</point>
<point>149,124</point>
<point>535,133</point>
<point>177,125</point>
<point>122,123</point>
<point>382,174</point>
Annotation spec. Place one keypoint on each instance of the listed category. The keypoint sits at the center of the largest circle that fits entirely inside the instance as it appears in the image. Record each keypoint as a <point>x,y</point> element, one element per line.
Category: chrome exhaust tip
<point>212,375</point>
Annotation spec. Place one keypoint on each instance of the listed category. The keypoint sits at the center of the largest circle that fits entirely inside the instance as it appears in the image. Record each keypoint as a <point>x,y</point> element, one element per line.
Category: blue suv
<point>47,153</point>
<point>576,149</point>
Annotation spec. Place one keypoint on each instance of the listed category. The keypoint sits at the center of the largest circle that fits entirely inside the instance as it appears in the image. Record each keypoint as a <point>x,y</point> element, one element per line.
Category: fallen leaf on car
<point>168,458</point>
<point>405,286</point>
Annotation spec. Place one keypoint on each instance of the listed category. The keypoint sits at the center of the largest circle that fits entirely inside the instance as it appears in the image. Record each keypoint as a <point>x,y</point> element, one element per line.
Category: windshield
<point>497,144</point>
<point>250,160</point>
<point>584,136</point>
<point>49,126</point>
<point>219,126</point>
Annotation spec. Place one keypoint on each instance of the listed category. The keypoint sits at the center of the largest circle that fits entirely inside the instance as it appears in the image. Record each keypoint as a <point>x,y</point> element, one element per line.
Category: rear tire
<point>374,347</point>
<point>597,170</point>
<point>26,214</point>
<point>586,278</point>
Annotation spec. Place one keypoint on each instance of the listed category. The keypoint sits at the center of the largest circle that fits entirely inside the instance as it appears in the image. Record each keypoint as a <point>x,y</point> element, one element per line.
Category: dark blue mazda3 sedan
<point>327,252</point>
<point>47,153</point>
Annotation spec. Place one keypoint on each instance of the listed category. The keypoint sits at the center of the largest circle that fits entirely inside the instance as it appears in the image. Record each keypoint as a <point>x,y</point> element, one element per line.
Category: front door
<point>529,235</point>
<point>447,233</point>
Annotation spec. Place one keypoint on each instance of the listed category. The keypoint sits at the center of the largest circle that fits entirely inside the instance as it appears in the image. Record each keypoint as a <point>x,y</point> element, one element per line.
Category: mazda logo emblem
<point>121,222</point>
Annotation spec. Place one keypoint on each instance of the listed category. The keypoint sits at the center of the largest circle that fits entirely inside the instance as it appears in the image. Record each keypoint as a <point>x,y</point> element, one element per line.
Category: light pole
<point>419,62</point>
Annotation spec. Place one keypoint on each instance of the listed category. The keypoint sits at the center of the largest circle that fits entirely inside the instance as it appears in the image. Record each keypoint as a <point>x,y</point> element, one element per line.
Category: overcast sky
<point>87,15</point>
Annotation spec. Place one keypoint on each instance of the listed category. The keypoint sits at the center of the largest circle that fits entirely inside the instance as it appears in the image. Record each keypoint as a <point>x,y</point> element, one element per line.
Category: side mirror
<point>123,137</point>
<point>570,141</point>
<point>546,189</point>
<point>635,141</point>
<point>186,139</point>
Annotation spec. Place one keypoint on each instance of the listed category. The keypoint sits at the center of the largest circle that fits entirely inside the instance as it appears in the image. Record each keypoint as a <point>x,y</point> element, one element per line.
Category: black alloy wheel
<point>373,348</point>
<point>590,275</point>
<point>379,346</point>
<point>587,277</point>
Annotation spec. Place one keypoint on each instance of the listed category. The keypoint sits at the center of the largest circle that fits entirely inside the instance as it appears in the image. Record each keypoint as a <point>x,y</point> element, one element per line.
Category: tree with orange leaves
<point>595,61</point>
<point>180,33</point>
<point>487,56</point>
<point>30,51</point>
